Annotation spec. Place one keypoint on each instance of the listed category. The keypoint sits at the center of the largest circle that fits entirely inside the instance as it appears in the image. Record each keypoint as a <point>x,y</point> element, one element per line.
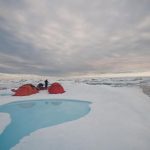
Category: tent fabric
<point>27,89</point>
<point>56,88</point>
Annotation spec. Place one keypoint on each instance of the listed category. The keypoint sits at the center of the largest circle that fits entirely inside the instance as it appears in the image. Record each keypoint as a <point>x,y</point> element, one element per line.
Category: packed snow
<point>119,118</point>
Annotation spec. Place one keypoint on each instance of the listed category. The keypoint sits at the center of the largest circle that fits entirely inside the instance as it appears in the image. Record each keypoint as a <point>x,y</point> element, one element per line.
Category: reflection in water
<point>27,105</point>
<point>46,102</point>
<point>56,103</point>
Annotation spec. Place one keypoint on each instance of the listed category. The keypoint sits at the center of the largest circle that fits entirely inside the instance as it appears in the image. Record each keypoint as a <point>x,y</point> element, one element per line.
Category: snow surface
<point>4,121</point>
<point>119,118</point>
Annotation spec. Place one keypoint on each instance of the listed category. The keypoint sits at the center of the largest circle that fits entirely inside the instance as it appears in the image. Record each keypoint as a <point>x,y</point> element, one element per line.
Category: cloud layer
<point>53,37</point>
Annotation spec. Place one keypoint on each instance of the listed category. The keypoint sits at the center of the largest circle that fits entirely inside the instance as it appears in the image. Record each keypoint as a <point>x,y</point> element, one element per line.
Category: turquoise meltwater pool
<point>29,116</point>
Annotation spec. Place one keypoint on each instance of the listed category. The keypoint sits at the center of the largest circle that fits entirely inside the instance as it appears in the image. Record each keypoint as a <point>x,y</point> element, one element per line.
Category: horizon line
<point>135,74</point>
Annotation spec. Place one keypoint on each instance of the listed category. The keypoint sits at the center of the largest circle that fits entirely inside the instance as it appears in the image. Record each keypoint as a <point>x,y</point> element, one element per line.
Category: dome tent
<point>56,88</point>
<point>24,90</point>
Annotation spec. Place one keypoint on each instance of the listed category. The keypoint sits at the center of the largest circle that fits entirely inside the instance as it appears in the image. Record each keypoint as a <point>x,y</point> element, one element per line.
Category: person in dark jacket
<point>46,83</point>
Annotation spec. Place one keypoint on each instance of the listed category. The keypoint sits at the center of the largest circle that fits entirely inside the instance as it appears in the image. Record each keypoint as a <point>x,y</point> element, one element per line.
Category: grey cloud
<point>65,37</point>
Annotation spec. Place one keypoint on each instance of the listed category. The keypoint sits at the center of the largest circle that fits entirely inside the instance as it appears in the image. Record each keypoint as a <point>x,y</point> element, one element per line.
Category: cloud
<point>67,37</point>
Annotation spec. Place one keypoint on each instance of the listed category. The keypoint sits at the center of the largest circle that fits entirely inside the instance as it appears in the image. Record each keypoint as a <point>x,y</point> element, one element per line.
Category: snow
<point>4,121</point>
<point>119,116</point>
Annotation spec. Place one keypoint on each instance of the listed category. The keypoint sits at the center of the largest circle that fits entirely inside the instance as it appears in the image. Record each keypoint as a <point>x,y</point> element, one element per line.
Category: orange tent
<point>56,88</point>
<point>24,90</point>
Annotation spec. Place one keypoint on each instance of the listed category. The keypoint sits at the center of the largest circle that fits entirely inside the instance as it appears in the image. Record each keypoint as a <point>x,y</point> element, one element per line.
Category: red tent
<point>56,88</point>
<point>24,90</point>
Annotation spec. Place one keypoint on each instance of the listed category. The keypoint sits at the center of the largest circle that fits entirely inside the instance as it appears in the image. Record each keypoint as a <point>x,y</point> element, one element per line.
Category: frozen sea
<point>119,118</point>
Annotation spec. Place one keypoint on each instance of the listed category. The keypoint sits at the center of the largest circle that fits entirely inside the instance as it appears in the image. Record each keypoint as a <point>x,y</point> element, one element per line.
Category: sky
<point>66,37</point>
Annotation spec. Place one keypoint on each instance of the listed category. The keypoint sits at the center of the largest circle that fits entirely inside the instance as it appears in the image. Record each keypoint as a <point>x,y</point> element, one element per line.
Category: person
<point>46,83</point>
